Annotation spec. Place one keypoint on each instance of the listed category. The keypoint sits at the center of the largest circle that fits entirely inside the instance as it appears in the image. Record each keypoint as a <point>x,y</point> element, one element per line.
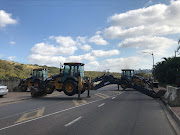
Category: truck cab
<point>41,74</point>
<point>127,74</point>
<point>73,70</point>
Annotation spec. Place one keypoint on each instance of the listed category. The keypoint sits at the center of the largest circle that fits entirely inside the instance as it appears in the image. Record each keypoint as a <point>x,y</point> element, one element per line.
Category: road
<point>107,112</point>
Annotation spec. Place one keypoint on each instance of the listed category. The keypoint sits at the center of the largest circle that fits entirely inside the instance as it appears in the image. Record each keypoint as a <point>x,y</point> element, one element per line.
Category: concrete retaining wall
<point>11,84</point>
<point>172,96</point>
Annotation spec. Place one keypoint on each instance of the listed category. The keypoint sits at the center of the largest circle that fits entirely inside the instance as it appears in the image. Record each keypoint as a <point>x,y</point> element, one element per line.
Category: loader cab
<point>73,70</point>
<point>40,74</point>
<point>127,73</point>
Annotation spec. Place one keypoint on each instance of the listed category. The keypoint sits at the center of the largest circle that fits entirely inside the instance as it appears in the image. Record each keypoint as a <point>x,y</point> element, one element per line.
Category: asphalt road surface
<point>107,112</point>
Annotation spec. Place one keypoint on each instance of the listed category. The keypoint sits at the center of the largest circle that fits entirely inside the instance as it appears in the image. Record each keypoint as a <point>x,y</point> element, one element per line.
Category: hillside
<point>11,70</point>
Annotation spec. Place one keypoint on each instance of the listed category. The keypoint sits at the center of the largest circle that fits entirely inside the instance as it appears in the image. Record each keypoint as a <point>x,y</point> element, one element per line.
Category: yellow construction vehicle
<point>70,80</point>
<point>129,80</point>
<point>37,76</point>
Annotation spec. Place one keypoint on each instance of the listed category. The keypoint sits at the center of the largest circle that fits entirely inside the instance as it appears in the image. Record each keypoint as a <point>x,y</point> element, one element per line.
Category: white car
<point>3,90</point>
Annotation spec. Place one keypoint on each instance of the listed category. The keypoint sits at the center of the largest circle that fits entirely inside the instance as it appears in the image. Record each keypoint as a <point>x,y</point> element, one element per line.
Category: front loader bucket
<point>148,92</point>
<point>35,92</point>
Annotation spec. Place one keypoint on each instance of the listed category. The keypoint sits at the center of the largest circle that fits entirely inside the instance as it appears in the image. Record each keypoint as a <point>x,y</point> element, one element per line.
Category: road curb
<point>173,114</point>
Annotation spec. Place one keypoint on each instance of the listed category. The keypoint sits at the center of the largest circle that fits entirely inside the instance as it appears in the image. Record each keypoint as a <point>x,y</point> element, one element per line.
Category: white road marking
<point>51,114</point>
<point>101,104</point>
<point>48,115</point>
<point>121,93</point>
<point>113,97</point>
<point>32,110</point>
<point>70,123</point>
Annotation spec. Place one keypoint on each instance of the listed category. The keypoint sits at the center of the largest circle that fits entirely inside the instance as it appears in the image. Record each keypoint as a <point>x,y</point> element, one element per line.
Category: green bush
<point>168,70</point>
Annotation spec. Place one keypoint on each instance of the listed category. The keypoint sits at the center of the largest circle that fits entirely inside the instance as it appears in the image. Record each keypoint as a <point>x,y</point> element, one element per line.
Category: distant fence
<point>11,84</point>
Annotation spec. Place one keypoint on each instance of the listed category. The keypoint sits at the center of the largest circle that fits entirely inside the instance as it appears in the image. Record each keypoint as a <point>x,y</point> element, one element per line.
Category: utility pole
<point>153,67</point>
<point>153,64</point>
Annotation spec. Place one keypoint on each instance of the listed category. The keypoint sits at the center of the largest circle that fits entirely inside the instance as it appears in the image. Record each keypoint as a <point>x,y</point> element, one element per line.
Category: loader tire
<point>70,87</point>
<point>33,93</point>
<point>36,83</point>
<point>49,88</point>
<point>23,88</point>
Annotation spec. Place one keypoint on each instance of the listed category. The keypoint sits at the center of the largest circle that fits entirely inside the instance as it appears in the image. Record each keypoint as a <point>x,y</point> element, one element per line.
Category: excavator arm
<point>138,83</point>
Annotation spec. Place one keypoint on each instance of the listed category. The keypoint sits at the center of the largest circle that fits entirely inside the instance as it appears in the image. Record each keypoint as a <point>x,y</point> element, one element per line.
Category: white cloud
<point>5,19</point>
<point>55,60</point>
<point>12,42</point>
<point>115,65</point>
<point>43,53</point>
<point>101,53</point>
<point>81,40</point>
<point>155,20</point>
<point>98,32</point>
<point>157,45</point>
<point>93,66</point>
<point>94,63</point>
<point>74,58</point>
<point>89,57</point>
<point>11,58</point>
<point>45,49</point>
<point>65,41</point>
<point>98,40</point>
<point>46,60</point>
<point>114,32</point>
<point>80,58</point>
<point>86,47</point>
<point>159,14</point>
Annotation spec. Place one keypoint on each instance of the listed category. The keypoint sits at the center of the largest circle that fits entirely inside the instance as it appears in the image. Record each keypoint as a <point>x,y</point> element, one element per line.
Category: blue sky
<point>103,34</point>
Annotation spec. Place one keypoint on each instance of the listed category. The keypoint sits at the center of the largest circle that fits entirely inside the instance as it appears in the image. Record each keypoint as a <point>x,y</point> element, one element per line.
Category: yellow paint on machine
<point>79,103</point>
<point>26,116</point>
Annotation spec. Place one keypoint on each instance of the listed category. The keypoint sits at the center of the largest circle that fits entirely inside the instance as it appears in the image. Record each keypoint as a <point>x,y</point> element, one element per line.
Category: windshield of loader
<point>66,69</point>
<point>45,74</point>
<point>37,74</point>
<point>81,71</point>
<point>75,70</point>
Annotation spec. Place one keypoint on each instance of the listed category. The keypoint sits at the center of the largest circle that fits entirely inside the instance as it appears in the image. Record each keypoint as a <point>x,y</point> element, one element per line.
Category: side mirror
<point>31,74</point>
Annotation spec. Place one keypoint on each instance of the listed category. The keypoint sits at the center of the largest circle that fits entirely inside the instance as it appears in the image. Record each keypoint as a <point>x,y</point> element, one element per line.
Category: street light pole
<point>153,67</point>
<point>153,64</point>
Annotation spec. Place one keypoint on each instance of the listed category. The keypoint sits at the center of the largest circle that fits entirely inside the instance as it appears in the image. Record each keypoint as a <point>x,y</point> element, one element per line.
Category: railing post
<point>79,88</point>
<point>118,83</point>
<point>89,87</point>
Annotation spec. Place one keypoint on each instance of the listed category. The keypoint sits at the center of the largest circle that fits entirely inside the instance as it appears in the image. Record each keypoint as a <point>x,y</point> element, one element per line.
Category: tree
<point>168,70</point>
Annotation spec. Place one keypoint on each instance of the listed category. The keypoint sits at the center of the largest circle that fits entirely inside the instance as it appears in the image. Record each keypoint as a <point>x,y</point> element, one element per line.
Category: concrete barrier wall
<point>172,96</point>
<point>11,84</point>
